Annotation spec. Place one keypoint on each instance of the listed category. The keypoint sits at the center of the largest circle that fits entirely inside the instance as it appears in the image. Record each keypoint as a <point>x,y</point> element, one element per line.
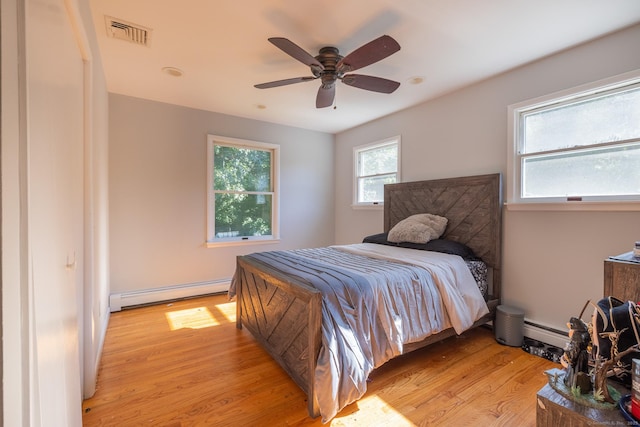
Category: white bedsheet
<point>462,298</point>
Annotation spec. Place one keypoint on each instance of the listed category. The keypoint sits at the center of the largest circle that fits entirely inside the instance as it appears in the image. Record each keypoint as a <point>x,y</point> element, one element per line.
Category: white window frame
<point>211,240</point>
<point>515,135</point>
<point>364,147</point>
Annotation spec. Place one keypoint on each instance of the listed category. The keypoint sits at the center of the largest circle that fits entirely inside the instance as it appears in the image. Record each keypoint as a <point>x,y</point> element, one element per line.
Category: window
<point>582,145</point>
<point>375,165</point>
<point>242,187</point>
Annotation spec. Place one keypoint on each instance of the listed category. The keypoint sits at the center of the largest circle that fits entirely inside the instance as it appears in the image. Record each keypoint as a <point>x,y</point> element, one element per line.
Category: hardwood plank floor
<point>186,364</point>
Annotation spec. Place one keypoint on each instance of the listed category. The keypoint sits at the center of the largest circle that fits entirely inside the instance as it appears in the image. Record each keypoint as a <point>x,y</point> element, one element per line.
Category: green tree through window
<point>242,191</point>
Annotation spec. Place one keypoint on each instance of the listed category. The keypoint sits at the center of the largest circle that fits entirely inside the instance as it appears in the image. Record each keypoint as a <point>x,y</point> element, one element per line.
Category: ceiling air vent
<point>123,30</point>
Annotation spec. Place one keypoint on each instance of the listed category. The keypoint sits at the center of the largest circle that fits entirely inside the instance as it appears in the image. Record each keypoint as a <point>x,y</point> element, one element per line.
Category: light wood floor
<point>186,364</point>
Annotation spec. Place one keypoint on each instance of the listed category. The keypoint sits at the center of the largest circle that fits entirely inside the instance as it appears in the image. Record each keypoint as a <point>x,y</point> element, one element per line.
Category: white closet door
<point>55,211</point>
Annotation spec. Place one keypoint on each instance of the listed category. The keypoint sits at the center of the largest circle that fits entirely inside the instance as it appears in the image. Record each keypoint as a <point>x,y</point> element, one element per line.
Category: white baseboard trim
<point>126,299</point>
<point>544,334</point>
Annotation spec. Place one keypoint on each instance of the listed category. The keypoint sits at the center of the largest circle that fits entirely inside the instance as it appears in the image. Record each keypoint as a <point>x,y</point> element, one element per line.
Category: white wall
<point>55,217</point>
<point>94,303</point>
<point>15,349</point>
<point>53,107</point>
<point>552,261</point>
<point>157,184</point>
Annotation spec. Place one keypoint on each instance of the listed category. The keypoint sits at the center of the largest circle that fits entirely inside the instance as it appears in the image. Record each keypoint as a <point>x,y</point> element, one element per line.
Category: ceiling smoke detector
<point>123,30</point>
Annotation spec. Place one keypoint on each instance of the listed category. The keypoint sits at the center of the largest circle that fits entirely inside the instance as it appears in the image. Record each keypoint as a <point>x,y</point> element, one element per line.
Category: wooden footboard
<point>285,318</point>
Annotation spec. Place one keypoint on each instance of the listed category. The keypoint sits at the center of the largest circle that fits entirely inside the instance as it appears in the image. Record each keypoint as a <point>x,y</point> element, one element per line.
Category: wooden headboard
<point>473,206</point>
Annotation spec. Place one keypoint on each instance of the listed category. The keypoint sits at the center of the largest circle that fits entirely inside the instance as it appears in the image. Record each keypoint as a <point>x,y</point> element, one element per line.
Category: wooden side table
<point>553,410</point>
<point>622,277</point>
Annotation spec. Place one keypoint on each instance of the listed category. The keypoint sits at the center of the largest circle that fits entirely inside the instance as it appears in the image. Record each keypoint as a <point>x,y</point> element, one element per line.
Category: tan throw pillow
<point>419,228</point>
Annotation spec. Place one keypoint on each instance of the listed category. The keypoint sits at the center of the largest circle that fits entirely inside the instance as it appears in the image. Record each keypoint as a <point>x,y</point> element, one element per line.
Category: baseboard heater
<point>148,296</point>
<point>545,334</point>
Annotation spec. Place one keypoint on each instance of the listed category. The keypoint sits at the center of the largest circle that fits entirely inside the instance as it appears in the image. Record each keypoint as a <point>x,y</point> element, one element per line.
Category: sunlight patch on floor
<point>370,410</point>
<point>192,318</point>
<point>228,310</point>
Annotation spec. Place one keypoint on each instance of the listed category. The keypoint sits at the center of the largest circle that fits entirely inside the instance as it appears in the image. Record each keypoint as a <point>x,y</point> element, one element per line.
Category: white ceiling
<point>222,48</point>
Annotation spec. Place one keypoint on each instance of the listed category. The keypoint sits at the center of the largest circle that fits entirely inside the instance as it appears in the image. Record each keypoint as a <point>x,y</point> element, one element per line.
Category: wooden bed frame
<point>284,315</point>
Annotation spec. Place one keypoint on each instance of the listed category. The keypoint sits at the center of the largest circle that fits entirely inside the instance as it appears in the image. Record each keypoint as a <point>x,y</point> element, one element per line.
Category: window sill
<point>240,243</point>
<point>633,206</point>
<point>375,207</point>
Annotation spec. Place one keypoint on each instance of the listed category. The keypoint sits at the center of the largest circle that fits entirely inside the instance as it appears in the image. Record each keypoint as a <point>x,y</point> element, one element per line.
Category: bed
<point>283,309</point>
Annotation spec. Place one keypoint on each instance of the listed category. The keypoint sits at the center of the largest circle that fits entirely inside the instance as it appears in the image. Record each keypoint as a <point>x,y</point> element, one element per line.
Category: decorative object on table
<point>635,388</point>
<point>597,351</point>
<point>556,379</point>
<point>625,408</point>
<point>576,356</point>
<point>636,250</point>
<point>630,404</point>
<point>615,339</point>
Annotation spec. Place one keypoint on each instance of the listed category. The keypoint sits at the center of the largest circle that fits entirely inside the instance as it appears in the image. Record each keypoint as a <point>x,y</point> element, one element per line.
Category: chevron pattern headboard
<point>473,206</point>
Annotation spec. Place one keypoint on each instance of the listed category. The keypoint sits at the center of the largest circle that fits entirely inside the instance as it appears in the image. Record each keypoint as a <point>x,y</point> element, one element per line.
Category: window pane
<point>613,171</point>
<point>242,215</point>
<point>372,189</point>
<point>378,160</point>
<point>607,118</point>
<point>241,169</point>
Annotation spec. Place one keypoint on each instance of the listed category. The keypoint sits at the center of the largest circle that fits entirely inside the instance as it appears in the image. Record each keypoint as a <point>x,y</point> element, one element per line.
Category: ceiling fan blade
<point>295,51</point>
<point>283,82</point>
<point>371,52</point>
<point>375,84</point>
<point>325,96</point>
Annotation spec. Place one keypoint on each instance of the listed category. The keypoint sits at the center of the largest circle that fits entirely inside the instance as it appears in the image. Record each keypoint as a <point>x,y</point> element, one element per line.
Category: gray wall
<point>553,261</point>
<point>157,199</point>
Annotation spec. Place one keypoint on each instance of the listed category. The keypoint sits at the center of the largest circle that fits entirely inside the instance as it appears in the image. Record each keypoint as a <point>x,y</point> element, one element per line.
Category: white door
<point>55,211</point>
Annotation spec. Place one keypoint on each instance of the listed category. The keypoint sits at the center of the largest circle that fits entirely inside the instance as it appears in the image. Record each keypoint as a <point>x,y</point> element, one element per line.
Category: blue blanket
<point>370,308</point>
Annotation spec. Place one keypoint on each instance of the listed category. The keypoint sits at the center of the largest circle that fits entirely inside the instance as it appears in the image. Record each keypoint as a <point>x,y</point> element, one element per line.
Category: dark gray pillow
<point>436,245</point>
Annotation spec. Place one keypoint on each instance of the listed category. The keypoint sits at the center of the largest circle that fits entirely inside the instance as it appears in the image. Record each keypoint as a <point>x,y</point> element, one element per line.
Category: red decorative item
<point>635,389</point>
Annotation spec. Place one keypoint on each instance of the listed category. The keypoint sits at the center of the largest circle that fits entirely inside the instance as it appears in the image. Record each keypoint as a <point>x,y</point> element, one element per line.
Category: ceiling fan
<point>330,66</point>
